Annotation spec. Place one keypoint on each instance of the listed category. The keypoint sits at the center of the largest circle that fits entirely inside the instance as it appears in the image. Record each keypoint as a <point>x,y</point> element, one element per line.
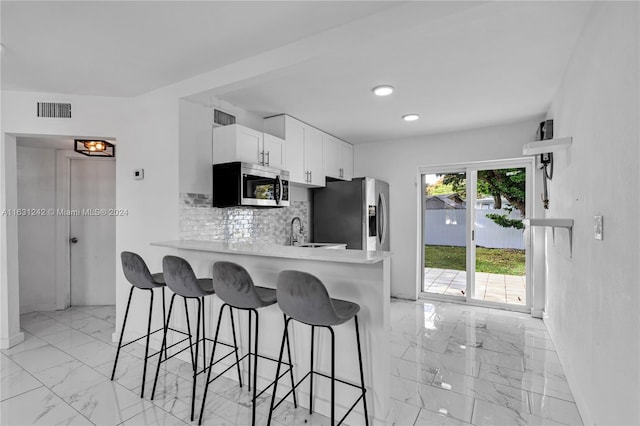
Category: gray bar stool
<point>304,298</point>
<point>181,279</point>
<point>137,273</point>
<point>234,286</point>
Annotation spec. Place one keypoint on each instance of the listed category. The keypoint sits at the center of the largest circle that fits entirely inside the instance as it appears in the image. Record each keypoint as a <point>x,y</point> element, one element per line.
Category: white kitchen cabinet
<point>239,143</point>
<point>303,149</point>
<point>273,149</point>
<point>337,157</point>
<point>345,159</point>
<point>314,164</point>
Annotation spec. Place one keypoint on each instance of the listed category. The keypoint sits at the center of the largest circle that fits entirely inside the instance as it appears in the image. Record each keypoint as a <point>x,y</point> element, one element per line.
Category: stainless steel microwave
<point>245,184</point>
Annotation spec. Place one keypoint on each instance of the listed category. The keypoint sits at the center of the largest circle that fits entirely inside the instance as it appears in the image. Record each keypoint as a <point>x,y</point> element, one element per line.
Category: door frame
<point>471,168</point>
<point>63,223</point>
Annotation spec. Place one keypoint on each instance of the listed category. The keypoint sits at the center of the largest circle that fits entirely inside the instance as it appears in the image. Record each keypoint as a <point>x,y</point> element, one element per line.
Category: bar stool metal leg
<point>204,335</point>
<point>295,402</point>
<point>255,365</point>
<point>164,345</point>
<point>364,391</point>
<point>124,323</point>
<point>235,343</point>
<point>164,319</point>
<point>313,329</point>
<point>333,376</point>
<point>186,312</point>
<point>195,365</point>
<point>213,353</point>
<point>275,384</point>
<point>146,349</point>
<point>249,357</point>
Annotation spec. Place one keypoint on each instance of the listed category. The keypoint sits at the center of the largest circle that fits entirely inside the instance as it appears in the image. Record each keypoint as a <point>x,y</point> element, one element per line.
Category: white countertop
<point>273,250</point>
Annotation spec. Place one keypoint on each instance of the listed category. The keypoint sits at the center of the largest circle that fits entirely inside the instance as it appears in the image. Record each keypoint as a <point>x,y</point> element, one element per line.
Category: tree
<point>439,188</point>
<point>507,183</point>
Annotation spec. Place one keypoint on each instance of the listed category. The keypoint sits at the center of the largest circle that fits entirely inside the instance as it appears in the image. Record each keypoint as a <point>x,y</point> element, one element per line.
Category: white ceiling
<point>53,142</point>
<point>458,64</point>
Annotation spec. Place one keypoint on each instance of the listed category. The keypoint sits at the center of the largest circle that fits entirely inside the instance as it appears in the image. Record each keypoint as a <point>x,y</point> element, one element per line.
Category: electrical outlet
<point>597,227</point>
<point>138,174</point>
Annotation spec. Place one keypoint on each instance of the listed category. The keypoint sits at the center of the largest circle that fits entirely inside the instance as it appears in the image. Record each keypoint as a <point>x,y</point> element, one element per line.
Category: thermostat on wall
<point>138,174</point>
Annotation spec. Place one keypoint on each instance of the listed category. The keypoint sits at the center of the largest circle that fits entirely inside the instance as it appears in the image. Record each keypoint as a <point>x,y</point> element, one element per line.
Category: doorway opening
<point>473,245</point>
<point>71,195</point>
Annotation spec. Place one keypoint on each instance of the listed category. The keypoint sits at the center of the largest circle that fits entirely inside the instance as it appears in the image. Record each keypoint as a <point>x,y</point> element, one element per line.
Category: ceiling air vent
<point>54,110</point>
<point>222,118</point>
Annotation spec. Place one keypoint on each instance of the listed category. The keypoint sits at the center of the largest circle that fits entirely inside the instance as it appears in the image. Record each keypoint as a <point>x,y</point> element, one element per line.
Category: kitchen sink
<point>323,245</point>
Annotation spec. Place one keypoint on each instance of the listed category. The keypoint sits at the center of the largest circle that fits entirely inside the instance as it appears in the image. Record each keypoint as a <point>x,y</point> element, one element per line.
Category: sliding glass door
<point>444,233</point>
<point>474,245</point>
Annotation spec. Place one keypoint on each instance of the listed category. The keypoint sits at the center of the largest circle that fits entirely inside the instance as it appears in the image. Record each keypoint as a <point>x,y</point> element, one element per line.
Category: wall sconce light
<point>95,148</point>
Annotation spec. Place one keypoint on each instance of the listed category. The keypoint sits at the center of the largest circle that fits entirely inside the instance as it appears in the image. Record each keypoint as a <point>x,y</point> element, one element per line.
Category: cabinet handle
<point>262,161</point>
<point>341,173</point>
<point>310,176</point>
<point>268,159</point>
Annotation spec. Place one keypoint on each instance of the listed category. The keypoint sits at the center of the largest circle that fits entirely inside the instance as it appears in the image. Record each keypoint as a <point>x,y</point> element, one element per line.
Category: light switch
<point>597,227</point>
<point>138,174</point>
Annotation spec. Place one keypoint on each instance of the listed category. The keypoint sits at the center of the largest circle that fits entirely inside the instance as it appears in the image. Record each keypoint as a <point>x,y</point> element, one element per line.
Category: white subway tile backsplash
<point>200,221</point>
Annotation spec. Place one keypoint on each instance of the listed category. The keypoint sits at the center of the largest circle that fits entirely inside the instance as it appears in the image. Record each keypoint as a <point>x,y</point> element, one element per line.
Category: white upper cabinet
<point>303,149</point>
<point>330,154</point>
<point>338,158</point>
<point>239,143</point>
<point>273,151</point>
<point>314,164</point>
<point>345,160</point>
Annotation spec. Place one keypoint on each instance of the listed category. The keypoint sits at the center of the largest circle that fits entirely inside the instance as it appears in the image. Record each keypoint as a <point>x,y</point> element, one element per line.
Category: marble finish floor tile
<point>402,414</point>
<point>451,365</point>
<point>70,380</point>
<point>426,417</point>
<point>41,358</point>
<point>14,380</point>
<point>109,403</point>
<point>30,342</point>
<point>67,339</point>
<point>152,417</point>
<point>503,362</point>
<point>39,407</point>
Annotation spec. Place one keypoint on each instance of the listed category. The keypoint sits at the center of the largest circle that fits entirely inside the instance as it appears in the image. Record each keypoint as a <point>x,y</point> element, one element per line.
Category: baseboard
<point>12,341</point>
<point>537,313</point>
<point>38,307</point>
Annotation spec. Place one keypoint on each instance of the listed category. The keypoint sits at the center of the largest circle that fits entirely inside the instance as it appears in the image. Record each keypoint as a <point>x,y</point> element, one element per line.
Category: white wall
<point>92,117</point>
<point>37,234</point>
<point>195,148</point>
<point>397,162</point>
<point>592,302</point>
<point>149,140</point>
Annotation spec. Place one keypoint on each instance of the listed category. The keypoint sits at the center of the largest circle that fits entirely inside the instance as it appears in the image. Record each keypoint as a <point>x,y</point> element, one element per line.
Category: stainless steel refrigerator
<point>354,212</point>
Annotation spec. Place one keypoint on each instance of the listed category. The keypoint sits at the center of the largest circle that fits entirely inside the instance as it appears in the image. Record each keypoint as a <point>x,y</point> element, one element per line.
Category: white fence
<point>447,228</point>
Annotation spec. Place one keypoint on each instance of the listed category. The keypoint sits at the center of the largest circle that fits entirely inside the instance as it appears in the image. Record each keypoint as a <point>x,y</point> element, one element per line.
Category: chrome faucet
<point>292,238</point>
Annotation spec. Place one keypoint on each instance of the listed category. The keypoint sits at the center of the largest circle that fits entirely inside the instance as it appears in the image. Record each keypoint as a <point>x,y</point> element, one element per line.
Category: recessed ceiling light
<point>383,90</point>
<point>410,117</point>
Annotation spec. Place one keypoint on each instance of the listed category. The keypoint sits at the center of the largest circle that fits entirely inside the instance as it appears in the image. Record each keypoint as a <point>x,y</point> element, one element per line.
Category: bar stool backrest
<point>233,284</point>
<point>304,297</point>
<point>136,271</point>
<point>180,277</point>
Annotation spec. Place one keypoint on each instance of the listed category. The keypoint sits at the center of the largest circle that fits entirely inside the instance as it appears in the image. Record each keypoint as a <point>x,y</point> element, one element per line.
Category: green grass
<point>495,261</point>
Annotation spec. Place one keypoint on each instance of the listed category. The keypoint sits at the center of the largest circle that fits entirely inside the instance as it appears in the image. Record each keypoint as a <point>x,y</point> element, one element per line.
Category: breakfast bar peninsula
<point>358,276</point>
